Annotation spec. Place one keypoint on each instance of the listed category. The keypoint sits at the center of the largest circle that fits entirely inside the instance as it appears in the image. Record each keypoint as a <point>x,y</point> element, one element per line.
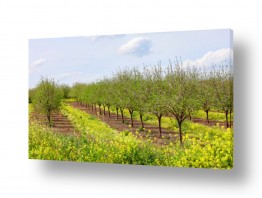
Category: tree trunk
<point>141,119</point>
<point>207,116</point>
<point>104,110</point>
<point>100,112</point>
<point>180,131</point>
<point>92,107</point>
<point>108,111</point>
<point>131,117</point>
<point>230,118</point>
<point>159,125</point>
<point>49,119</point>
<point>227,118</point>
<point>117,113</point>
<point>122,115</point>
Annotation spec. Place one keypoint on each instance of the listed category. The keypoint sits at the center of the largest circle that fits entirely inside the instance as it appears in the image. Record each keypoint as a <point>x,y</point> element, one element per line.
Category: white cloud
<point>33,66</point>
<point>212,58</point>
<point>38,62</point>
<point>138,46</point>
<point>101,37</point>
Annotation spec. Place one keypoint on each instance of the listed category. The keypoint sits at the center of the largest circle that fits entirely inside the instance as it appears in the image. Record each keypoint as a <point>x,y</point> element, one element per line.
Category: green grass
<point>170,122</point>
<point>212,115</point>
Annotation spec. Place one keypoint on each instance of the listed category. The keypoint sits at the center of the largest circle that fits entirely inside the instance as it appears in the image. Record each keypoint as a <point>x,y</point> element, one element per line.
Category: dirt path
<point>167,135</point>
<point>60,122</point>
<point>204,121</point>
<point>211,122</point>
<point>137,123</point>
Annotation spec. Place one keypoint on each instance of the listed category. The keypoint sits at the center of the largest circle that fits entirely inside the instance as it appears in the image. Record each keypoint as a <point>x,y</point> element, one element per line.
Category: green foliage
<point>182,93</point>
<point>157,88</point>
<point>77,91</point>
<point>31,93</point>
<point>223,85</point>
<point>223,88</point>
<point>66,90</point>
<point>178,90</point>
<point>47,97</point>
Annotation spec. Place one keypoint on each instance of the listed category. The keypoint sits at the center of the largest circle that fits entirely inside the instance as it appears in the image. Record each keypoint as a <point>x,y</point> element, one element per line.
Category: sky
<point>89,58</point>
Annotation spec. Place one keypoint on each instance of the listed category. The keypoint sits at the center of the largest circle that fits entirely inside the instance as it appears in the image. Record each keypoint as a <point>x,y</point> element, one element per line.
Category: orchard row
<point>173,90</point>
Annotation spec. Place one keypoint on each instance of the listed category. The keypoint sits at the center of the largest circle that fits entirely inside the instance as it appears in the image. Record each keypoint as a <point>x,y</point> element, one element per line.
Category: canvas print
<point>158,99</point>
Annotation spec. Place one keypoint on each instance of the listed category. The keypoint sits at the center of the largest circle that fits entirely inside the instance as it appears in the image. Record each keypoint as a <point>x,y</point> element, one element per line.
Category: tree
<point>128,92</point>
<point>66,90</point>
<point>77,92</point>
<point>31,93</point>
<point>116,96</point>
<point>98,96</point>
<point>223,85</point>
<point>142,95</point>
<point>90,95</point>
<point>47,97</point>
<point>206,93</point>
<point>182,93</point>
<point>157,89</point>
<point>105,88</point>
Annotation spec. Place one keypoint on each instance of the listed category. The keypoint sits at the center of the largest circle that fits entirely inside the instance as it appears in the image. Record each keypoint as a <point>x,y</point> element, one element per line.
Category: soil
<point>211,122</point>
<point>113,122</point>
<point>204,121</point>
<point>60,123</point>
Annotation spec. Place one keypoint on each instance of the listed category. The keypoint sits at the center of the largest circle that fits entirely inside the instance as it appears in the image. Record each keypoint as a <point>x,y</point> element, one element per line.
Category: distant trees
<point>223,88</point>
<point>176,90</point>
<point>206,94</point>
<point>66,90</point>
<point>78,92</point>
<point>47,97</point>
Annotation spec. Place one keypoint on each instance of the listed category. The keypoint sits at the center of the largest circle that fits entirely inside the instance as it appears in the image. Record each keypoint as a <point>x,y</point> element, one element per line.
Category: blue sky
<point>86,59</point>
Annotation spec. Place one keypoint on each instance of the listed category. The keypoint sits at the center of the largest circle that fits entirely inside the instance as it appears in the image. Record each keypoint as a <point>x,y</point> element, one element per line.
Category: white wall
<point>21,20</point>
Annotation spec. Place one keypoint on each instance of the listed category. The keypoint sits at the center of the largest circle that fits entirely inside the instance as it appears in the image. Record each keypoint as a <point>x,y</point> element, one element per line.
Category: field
<point>96,139</point>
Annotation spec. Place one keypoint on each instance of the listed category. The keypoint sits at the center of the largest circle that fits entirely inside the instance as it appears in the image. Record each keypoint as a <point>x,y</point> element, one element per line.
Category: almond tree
<point>98,96</point>
<point>77,92</point>
<point>47,97</point>
<point>206,93</point>
<point>157,89</point>
<point>91,95</point>
<point>223,85</point>
<point>116,96</point>
<point>129,92</point>
<point>107,89</point>
<point>142,96</point>
<point>31,94</point>
<point>66,90</point>
<point>182,94</point>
